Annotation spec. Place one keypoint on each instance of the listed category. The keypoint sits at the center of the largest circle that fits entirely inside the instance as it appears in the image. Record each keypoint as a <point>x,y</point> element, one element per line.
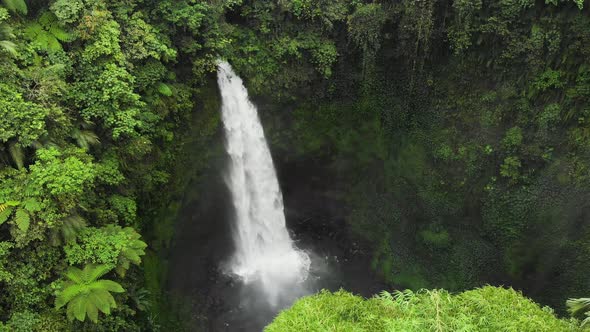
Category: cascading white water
<point>265,253</point>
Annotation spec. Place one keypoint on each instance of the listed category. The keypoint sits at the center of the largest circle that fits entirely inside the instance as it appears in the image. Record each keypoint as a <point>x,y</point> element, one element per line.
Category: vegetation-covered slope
<point>95,102</point>
<point>483,309</point>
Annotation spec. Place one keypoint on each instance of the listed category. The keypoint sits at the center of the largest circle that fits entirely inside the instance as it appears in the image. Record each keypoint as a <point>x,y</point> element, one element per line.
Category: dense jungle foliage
<point>458,133</point>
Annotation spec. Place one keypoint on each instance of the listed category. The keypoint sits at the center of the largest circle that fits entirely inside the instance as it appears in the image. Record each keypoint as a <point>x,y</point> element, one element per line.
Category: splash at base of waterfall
<point>279,275</point>
<point>265,253</point>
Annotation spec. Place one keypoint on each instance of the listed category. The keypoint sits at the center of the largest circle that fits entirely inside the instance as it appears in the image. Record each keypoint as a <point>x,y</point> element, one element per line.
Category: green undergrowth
<point>482,309</point>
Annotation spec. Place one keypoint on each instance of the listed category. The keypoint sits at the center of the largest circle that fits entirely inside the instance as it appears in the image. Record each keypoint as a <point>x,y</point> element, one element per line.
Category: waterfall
<point>265,253</point>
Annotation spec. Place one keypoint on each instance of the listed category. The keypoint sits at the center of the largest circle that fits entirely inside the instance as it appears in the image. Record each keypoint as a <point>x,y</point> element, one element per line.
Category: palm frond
<point>578,306</point>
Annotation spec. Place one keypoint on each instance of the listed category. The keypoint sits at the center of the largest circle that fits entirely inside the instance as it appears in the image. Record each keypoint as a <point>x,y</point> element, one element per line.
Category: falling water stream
<point>265,254</point>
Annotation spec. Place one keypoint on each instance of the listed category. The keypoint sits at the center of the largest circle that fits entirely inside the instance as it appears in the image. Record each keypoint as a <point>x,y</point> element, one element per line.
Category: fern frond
<point>5,213</point>
<point>102,300</point>
<point>32,30</point>
<point>17,154</point>
<point>70,312</point>
<point>59,33</point>
<point>52,44</point>
<point>91,311</point>
<point>17,6</point>
<point>578,306</point>
<point>75,275</point>
<point>47,33</point>
<point>78,306</point>
<point>109,285</point>
<point>47,19</point>
<point>6,31</point>
<point>71,226</point>
<point>32,205</point>
<point>23,220</point>
<point>68,294</point>
<point>92,272</point>
<point>8,46</point>
<point>85,138</point>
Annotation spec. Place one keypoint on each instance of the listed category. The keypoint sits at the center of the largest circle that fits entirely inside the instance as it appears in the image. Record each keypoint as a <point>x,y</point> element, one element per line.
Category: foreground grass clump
<point>483,309</point>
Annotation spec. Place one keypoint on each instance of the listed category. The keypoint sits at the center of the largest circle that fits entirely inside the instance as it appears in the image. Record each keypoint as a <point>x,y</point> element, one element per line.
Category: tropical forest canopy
<point>457,134</point>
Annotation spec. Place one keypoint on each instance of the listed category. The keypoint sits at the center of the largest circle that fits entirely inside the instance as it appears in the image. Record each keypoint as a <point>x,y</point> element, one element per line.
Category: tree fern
<point>85,294</point>
<point>47,32</point>
<point>132,251</point>
<point>141,297</point>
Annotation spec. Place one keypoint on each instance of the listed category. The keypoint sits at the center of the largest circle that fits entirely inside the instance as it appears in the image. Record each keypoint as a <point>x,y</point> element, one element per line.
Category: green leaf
<point>164,89</point>
<point>22,220</point>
